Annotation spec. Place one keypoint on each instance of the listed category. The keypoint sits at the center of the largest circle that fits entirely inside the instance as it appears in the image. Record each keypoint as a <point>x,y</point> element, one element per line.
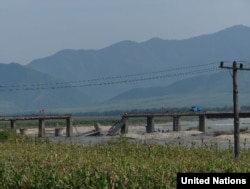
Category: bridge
<point>41,121</point>
<point>203,116</point>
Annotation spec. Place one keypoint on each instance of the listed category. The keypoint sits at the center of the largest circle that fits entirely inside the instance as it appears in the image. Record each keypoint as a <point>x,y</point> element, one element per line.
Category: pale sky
<point>32,29</point>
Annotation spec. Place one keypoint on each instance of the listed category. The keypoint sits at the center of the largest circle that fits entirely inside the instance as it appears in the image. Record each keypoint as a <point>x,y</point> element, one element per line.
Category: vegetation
<point>30,162</point>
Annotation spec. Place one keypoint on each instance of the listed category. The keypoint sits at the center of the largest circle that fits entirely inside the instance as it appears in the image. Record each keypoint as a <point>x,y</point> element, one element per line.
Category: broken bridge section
<point>118,126</point>
<point>97,131</point>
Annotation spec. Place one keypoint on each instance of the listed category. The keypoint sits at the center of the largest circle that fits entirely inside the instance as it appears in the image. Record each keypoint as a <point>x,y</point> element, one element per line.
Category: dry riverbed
<point>137,133</point>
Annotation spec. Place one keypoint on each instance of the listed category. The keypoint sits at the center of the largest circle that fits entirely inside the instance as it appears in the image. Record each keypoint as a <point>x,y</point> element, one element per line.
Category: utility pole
<point>235,68</point>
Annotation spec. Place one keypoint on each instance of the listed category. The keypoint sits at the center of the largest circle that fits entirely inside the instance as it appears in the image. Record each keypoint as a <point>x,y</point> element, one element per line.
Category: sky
<point>32,29</point>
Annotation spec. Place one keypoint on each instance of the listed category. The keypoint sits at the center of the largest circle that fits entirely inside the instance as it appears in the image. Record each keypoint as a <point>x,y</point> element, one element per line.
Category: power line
<point>63,84</point>
<point>115,77</point>
<point>128,78</point>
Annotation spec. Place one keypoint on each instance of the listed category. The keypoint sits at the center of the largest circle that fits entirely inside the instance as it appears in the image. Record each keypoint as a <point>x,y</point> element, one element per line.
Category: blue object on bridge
<point>195,109</point>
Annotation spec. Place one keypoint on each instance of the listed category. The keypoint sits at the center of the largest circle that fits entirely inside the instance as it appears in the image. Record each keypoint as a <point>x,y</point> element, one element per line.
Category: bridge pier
<point>124,128</point>
<point>150,124</point>
<point>202,123</point>
<point>69,128</point>
<point>41,128</point>
<point>176,123</point>
<point>13,124</point>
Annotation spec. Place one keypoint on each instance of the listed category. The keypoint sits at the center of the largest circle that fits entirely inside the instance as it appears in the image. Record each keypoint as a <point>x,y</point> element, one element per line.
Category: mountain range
<point>129,75</point>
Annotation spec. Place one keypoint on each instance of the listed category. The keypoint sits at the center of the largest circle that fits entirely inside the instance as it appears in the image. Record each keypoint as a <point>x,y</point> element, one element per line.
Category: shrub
<point>4,135</point>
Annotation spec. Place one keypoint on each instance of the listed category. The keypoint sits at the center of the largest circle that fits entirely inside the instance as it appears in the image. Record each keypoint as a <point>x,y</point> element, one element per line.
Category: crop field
<point>31,162</point>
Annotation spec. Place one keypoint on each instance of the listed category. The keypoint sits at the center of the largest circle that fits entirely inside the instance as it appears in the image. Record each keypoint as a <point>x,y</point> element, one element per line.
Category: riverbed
<point>218,132</point>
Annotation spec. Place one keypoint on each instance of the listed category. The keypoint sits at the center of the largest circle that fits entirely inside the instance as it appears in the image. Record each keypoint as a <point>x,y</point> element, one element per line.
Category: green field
<point>31,162</point>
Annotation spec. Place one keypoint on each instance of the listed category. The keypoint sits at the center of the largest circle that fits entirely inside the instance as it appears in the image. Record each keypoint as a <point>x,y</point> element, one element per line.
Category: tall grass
<point>30,162</point>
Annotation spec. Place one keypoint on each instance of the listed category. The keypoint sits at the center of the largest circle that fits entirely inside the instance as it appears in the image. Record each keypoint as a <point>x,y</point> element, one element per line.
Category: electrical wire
<point>120,79</point>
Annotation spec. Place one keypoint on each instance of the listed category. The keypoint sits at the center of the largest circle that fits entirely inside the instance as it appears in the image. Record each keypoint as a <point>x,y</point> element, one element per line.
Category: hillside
<point>215,90</point>
<point>129,75</point>
<point>126,58</point>
<point>23,89</point>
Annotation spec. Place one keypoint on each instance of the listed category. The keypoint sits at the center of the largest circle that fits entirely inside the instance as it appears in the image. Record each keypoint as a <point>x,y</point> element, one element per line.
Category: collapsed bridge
<point>123,126</point>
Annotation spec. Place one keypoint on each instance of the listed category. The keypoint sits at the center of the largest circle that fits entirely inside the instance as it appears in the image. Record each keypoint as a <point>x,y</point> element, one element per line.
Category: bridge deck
<point>242,114</point>
<point>35,117</point>
<point>203,116</point>
<point>41,121</point>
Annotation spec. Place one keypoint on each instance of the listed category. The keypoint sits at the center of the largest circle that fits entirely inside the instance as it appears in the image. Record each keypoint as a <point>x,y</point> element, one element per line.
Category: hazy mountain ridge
<point>128,57</point>
<point>24,89</point>
<point>89,75</point>
<point>214,90</point>
<point>201,84</point>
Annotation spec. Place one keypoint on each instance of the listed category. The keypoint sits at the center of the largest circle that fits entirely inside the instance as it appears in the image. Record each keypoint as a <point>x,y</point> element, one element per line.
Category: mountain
<point>130,75</point>
<point>214,90</point>
<point>24,89</point>
<point>125,59</point>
